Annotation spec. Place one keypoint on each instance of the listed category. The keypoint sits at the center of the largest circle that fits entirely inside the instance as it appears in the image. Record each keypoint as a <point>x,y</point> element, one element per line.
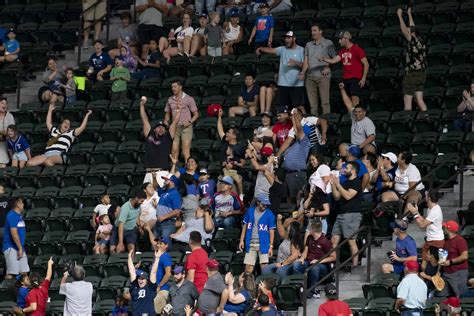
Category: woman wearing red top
<point>38,296</point>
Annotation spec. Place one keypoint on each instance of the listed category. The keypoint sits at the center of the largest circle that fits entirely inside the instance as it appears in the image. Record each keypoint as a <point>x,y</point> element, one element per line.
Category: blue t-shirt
<point>11,45</point>
<point>152,58</point>
<point>288,75</point>
<point>165,261</point>
<point>238,308</point>
<point>207,189</point>
<point>362,170</point>
<point>296,156</point>
<point>142,298</point>
<point>405,248</point>
<point>263,24</point>
<point>169,200</point>
<point>182,171</point>
<point>21,299</point>
<point>99,62</point>
<point>249,96</point>
<point>391,175</point>
<point>19,144</point>
<point>119,310</point>
<point>14,220</point>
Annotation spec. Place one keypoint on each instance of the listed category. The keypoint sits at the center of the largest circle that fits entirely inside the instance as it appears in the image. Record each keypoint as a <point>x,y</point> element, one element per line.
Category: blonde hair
<point>212,15</point>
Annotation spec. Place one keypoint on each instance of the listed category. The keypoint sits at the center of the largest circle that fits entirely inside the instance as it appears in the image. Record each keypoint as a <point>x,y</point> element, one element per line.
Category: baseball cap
<point>411,265</point>
<point>354,150</point>
<point>282,109</point>
<point>11,31</point>
<point>400,224</point>
<point>227,180</point>
<point>263,198</point>
<point>453,302</point>
<point>264,5</point>
<point>161,123</point>
<point>266,151</point>
<point>171,177</point>
<point>269,114</point>
<point>391,156</point>
<point>178,270</point>
<point>203,15</point>
<point>452,226</point>
<point>213,264</point>
<point>213,110</point>
<point>141,274</point>
<point>203,171</point>
<point>204,201</point>
<point>345,34</point>
<point>290,34</point>
<point>331,291</point>
<point>234,12</point>
<point>162,239</point>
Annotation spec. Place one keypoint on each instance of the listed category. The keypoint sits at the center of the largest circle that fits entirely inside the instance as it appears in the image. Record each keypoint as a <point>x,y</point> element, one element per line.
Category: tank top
<point>233,33</point>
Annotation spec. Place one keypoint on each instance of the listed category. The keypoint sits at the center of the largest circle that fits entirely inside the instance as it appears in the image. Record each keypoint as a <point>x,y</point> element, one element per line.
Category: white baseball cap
<point>391,156</point>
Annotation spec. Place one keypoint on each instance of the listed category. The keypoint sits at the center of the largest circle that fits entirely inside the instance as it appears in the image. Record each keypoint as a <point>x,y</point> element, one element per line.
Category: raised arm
<point>403,27</point>
<point>131,268</point>
<point>266,50</point>
<point>208,223</point>
<point>220,126</point>
<point>144,117</point>
<point>346,99</point>
<point>154,268</point>
<point>78,131</point>
<point>49,117</point>
<point>49,272</point>
<point>296,119</point>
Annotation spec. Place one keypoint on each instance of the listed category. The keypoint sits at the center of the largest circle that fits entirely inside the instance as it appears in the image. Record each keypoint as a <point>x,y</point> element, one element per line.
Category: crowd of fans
<point>184,207</point>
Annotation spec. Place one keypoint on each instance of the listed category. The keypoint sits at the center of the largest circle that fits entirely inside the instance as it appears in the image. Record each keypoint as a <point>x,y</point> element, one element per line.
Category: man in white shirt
<point>78,293</point>
<point>433,224</point>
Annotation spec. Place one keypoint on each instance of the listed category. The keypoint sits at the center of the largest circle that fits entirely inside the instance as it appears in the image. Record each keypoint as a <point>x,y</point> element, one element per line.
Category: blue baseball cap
<point>142,274</point>
<point>354,150</point>
<point>172,178</point>
<point>227,180</point>
<point>263,198</point>
<point>400,224</point>
<point>164,240</point>
<point>178,270</point>
<point>234,12</point>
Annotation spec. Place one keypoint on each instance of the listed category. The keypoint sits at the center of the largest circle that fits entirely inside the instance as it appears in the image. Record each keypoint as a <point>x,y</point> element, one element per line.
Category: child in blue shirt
<point>207,186</point>
<point>23,281</point>
<point>11,48</point>
<point>18,147</point>
<point>263,29</point>
<point>119,308</point>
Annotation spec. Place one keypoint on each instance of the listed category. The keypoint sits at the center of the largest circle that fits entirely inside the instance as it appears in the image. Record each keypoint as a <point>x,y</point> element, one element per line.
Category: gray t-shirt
<point>214,35</point>
<point>181,296</point>
<point>78,298</point>
<point>257,215</point>
<point>284,251</point>
<point>360,130</point>
<point>261,185</point>
<point>211,295</point>
<point>70,88</point>
<point>313,50</point>
<point>189,206</point>
<point>151,16</point>
<point>128,34</point>
<point>193,224</point>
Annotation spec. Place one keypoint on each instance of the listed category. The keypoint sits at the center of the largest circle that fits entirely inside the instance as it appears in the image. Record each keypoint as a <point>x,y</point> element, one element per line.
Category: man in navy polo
<point>168,208</point>
<point>258,233</point>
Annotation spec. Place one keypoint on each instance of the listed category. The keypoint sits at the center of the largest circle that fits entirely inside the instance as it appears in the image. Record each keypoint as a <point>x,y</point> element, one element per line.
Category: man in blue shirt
<point>168,208</point>
<point>291,89</point>
<point>14,235</point>
<point>100,63</point>
<point>405,248</point>
<point>257,234</point>
<point>248,98</point>
<point>143,290</point>
<point>11,48</point>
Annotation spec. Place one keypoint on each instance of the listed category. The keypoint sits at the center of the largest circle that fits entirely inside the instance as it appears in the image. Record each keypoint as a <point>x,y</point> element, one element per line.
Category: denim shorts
<point>20,156</point>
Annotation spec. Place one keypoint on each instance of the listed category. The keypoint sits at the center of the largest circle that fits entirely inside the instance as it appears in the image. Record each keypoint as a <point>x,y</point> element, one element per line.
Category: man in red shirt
<point>196,264</point>
<point>333,306</point>
<point>282,127</point>
<point>355,65</point>
<point>38,296</point>
<point>455,267</point>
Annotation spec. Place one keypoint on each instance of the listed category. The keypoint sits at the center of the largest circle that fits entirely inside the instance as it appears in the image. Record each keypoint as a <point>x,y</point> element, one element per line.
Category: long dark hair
<point>295,235</point>
<point>249,284</point>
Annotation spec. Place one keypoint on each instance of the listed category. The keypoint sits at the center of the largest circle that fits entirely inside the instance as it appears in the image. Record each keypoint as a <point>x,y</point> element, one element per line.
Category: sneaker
<point>241,196</point>
<point>316,294</point>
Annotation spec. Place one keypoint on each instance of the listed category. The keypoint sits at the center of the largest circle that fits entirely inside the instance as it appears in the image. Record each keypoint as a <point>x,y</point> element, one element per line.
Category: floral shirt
<point>415,57</point>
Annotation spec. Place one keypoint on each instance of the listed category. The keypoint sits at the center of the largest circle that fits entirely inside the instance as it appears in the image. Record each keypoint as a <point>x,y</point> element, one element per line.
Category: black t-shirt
<point>157,151</point>
<point>318,200</point>
<point>3,210</point>
<point>352,205</point>
<point>275,193</point>
<point>239,152</point>
<point>152,59</point>
<point>142,298</point>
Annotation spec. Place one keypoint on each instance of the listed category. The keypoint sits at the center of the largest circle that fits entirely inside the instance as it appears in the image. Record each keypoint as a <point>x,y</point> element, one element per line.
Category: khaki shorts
<point>254,253</point>
<point>183,134</point>
<point>98,12</point>
<point>231,173</point>
<point>160,301</point>
<point>414,82</point>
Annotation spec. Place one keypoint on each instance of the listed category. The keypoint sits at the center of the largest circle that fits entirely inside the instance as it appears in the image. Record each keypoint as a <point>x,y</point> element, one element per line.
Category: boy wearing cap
<point>258,232</point>
<point>11,48</point>
<point>182,292</point>
<point>211,301</point>
<point>355,65</point>
<point>248,98</point>
<point>411,292</point>
<point>233,32</point>
<point>225,204</point>
<point>143,289</point>
<point>333,306</point>
<point>405,248</point>
<point>283,125</point>
<point>453,304</point>
<point>263,29</point>
<point>455,267</point>
<point>100,63</point>
<point>207,186</point>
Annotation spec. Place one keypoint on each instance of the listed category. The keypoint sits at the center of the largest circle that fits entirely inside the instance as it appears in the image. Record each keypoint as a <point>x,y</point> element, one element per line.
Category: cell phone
<point>413,202</point>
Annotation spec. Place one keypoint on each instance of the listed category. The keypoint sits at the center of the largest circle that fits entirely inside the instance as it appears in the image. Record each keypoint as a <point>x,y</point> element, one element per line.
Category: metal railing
<point>82,29</point>
<point>339,265</point>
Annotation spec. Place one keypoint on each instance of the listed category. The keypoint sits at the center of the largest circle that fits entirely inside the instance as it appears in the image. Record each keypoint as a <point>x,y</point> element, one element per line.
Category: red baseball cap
<point>213,109</point>
<point>266,151</point>
<point>452,226</point>
<point>411,265</point>
<point>213,264</point>
<point>453,302</point>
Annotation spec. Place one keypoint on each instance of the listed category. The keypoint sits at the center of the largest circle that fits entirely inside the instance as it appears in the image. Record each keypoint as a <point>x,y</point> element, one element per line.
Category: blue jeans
<point>146,74</point>
<point>411,313</point>
<point>315,274</point>
<point>200,5</point>
<point>228,222</point>
<point>281,271</point>
<point>165,229</point>
<point>463,124</point>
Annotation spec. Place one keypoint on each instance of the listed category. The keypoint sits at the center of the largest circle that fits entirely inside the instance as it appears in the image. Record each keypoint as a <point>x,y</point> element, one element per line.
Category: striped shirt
<point>63,140</point>
<point>186,105</point>
<point>310,128</point>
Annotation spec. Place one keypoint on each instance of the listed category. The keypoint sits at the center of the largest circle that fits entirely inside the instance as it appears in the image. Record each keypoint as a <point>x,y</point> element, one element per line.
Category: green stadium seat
<point>110,286</point>
<point>103,307</point>
<point>357,304</point>
<point>77,242</point>
<point>116,264</point>
<point>58,219</point>
<point>449,142</point>
<point>51,244</point>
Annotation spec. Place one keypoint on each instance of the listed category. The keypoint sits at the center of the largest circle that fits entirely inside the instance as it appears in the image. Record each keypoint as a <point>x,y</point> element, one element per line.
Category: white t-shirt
<point>232,33</point>
<point>78,298</point>
<point>182,33</point>
<point>310,128</point>
<point>317,177</point>
<point>434,231</point>
<point>402,179</point>
<point>101,209</point>
<point>147,210</point>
